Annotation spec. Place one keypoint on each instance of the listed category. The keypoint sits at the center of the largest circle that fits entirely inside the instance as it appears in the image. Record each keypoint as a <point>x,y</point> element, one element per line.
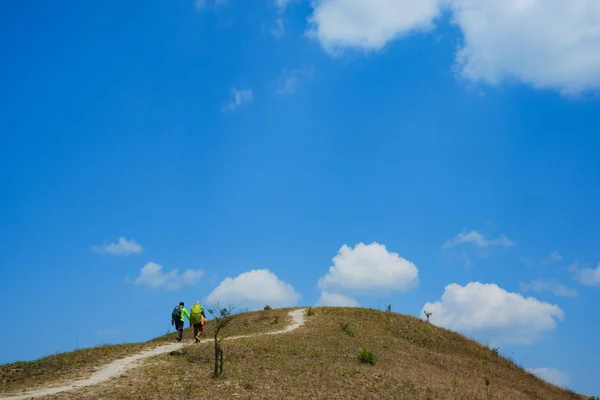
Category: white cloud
<point>492,313</point>
<point>336,299</point>
<point>546,43</point>
<point>122,247</point>
<point>586,276</point>
<point>106,332</point>
<point>551,375</point>
<point>366,24</point>
<point>254,289</point>
<point>554,256</point>
<point>551,44</point>
<point>554,287</point>
<point>478,240</point>
<point>289,80</point>
<point>240,97</point>
<point>154,276</point>
<point>369,268</point>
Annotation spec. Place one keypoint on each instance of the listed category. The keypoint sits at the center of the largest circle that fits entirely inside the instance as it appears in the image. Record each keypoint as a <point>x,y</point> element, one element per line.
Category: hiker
<point>178,319</point>
<point>197,319</point>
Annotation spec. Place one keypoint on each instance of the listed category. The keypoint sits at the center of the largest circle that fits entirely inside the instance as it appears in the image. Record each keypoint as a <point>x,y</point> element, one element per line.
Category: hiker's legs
<point>179,327</point>
<point>197,331</point>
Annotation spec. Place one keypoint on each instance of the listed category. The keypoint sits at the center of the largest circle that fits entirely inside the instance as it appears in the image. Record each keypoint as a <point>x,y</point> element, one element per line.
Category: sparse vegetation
<point>428,314</point>
<point>495,351</point>
<point>222,317</point>
<point>310,312</point>
<point>346,329</point>
<point>366,356</point>
<point>267,308</point>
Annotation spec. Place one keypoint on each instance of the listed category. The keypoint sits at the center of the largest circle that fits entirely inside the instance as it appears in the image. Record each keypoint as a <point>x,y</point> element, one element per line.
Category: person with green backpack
<point>178,319</point>
<point>197,319</point>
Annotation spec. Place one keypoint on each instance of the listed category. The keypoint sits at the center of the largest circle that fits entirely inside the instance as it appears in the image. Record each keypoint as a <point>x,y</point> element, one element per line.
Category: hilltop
<point>413,360</point>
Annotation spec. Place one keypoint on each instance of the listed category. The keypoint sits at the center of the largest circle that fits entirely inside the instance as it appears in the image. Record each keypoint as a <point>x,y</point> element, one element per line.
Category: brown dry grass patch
<point>415,360</point>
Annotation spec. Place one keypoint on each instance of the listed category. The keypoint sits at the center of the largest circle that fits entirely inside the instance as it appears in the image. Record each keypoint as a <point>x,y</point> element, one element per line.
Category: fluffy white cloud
<point>290,79</point>
<point>336,299</point>
<point>554,287</point>
<point>154,276</point>
<point>492,313</point>
<point>367,24</point>
<point>122,247</point>
<point>545,43</point>
<point>239,97</point>
<point>254,289</point>
<point>478,240</point>
<point>369,268</point>
<point>551,375</point>
<point>586,276</point>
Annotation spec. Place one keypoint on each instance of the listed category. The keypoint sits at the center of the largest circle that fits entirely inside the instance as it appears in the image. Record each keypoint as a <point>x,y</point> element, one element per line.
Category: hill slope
<point>414,360</point>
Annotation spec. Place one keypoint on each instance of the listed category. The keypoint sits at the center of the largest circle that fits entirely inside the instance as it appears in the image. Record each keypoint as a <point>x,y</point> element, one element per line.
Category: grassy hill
<point>413,360</point>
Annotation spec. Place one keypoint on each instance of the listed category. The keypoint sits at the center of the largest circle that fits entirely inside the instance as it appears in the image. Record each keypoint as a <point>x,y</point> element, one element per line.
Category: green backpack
<point>176,314</point>
<point>196,313</point>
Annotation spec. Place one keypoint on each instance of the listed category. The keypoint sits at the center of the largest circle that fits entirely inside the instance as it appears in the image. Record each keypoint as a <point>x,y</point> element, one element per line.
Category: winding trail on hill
<point>118,367</point>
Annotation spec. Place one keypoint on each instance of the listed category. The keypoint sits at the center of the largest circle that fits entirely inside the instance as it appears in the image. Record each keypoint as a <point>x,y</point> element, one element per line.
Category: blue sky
<point>430,155</point>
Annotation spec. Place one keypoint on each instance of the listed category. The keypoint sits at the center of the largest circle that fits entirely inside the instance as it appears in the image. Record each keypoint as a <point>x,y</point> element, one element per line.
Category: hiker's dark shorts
<point>198,327</point>
<point>179,325</point>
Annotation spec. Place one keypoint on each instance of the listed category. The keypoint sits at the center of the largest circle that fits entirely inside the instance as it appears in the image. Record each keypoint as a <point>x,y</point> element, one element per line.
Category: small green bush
<point>366,356</point>
<point>267,308</point>
<point>496,351</point>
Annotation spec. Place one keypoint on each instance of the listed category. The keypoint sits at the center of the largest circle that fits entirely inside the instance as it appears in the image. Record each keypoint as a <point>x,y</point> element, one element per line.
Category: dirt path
<point>117,367</point>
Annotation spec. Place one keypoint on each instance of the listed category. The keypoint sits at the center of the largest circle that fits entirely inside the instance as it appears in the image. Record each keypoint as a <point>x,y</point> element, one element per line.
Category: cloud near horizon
<point>336,300</point>
<point>551,44</point>
<point>254,290</point>
<point>369,269</point>
<point>492,313</point>
<point>122,247</point>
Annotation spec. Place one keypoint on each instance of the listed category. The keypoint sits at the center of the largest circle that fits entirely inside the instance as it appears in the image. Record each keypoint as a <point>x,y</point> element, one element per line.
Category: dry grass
<point>63,368</point>
<point>415,360</point>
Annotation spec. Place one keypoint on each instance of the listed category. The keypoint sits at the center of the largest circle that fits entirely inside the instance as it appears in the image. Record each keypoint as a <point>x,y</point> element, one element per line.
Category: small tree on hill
<point>428,314</point>
<point>222,317</point>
